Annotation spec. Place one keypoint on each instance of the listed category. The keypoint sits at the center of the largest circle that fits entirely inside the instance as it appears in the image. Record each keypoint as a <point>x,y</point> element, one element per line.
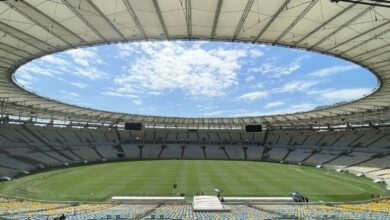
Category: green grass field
<point>236,178</point>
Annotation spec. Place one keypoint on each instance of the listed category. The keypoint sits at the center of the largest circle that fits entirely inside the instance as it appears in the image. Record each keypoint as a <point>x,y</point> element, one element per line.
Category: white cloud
<point>84,56</point>
<point>38,69</point>
<point>154,93</point>
<point>252,96</point>
<point>118,93</point>
<point>70,94</point>
<point>53,59</point>
<point>206,106</point>
<point>301,107</point>
<point>289,87</point>
<point>79,85</point>
<point>34,71</point>
<point>273,69</point>
<point>126,50</point>
<point>92,73</point>
<point>214,113</point>
<point>274,104</point>
<point>259,85</point>
<point>343,94</point>
<point>81,62</point>
<point>295,86</point>
<point>332,70</point>
<point>137,102</point>
<point>250,78</point>
<point>170,66</point>
<point>25,78</point>
<point>256,53</point>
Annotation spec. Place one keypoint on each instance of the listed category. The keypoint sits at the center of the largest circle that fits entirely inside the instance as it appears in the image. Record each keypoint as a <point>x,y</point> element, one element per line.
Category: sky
<point>195,79</point>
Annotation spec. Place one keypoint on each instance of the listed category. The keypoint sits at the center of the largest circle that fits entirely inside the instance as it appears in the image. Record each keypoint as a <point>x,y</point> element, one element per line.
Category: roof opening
<point>196,79</point>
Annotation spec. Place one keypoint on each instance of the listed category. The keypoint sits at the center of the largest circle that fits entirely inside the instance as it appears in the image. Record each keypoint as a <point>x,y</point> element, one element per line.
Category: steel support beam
<point>82,19</point>
<point>104,17</point>
<point>359,35</point>
<point>216,18</point>
<point>188,14</point>
<point>135,19</point>
<point>346,24</point>
<point>244,15</point>
<point>161,18</point>
<point>22,8</point>
<point>375,37</point>
<point>324,24</point>
<point>272,19</point>
<point>297,20</point>
<point>25,38</point>
<point>376,55</point>
<point>15,51</point>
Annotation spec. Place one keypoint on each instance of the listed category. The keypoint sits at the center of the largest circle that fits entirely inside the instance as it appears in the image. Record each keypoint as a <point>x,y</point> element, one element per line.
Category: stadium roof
<point>33,28</point>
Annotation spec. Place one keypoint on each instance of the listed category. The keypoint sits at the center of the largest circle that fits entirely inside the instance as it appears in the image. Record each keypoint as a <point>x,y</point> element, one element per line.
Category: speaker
<point>253,128</point>
<point>133,126</point>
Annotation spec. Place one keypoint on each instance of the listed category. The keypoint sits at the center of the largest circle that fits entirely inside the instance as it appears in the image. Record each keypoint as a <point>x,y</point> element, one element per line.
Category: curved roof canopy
<point>33,28</point>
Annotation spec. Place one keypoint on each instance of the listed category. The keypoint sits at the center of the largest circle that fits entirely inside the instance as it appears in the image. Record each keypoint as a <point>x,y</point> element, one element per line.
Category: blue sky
<point>195,78</point>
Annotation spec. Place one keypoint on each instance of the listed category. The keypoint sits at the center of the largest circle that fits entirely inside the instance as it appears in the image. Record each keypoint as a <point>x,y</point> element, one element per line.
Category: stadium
<point>64,161</point>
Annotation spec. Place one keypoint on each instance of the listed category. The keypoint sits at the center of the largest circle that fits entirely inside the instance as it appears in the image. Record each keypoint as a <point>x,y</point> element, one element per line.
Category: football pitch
<point>236,178</point>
